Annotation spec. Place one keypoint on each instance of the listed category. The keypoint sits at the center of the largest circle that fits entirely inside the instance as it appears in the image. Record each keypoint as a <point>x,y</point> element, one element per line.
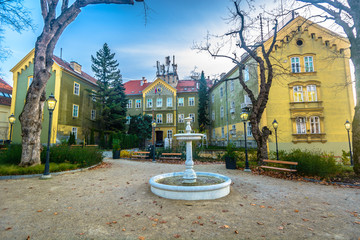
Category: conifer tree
<point>203,103</point>
<point>110,97</point>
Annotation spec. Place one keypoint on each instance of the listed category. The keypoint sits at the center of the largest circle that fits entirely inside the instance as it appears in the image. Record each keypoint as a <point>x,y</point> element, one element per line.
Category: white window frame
<point>222,132</point>
<point>93,114</point>
<point>315,125</point>
<point>181,118</point>
<point>192,115</point>
<point>159,118</point>
<point>169,118</point>
<point>213,115</point>
<point>138,103</point>
<point>309,63</point>
<point>128,118</point>
<point>93,96</point>
<point>300,125</point>
<point>295,65</point>
<point>212,98</point>
<point>221,92</point>
<point>76,88</point>
<point>181,102</point>
<point>233,130</point>
<point>169,102</point>
<point>191,101</point>
<point>248,129</point>
<point>232,88</point>
<point>246,74</point>
<point>180,131</point>
<point>247,99</point>
<point>311,93</point>
<point>129,104</point>
<point>232,107</point>
<point>75,111</point>
<point>221,112</point>
<point>298,93</point>
<point>74,130</point>
<point>169,134</point>
<point>213,133</point>
<point>159,102</point>
<point>149,103</point>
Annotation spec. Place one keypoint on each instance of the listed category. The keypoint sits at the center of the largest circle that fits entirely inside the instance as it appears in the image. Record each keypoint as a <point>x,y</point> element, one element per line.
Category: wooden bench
<point>292,164</point>
<point>171,156</point>
<point>140,155</point>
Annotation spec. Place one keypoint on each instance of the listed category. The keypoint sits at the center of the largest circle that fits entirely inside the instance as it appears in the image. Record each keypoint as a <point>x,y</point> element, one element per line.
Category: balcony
<point>309,138</point>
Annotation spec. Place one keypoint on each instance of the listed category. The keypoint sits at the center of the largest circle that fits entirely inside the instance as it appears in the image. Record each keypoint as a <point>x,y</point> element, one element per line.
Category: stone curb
<point>39,175</point>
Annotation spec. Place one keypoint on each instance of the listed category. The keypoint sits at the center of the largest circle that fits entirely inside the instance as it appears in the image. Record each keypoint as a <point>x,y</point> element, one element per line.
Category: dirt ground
<point>115,202</point>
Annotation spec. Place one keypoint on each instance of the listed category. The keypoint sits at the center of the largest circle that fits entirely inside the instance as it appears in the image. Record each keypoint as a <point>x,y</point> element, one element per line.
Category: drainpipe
<point>227,114</point>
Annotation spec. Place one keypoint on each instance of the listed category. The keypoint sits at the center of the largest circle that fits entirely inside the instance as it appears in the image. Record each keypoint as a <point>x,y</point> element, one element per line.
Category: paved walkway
<point>116,203</point>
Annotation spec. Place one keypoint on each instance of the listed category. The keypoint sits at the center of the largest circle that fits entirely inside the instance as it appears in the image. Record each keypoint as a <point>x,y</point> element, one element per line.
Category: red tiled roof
<point>5,101</point>
<point>134,87</point>
<point>67,66</point>
<point>5,87</point>
<point>189,85</point>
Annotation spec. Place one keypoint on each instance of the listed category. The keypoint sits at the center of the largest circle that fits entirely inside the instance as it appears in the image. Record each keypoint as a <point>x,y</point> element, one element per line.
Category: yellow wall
<point>4,122</point>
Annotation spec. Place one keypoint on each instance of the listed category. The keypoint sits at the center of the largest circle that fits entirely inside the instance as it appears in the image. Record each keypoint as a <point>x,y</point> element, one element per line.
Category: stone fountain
<point>189,185</point>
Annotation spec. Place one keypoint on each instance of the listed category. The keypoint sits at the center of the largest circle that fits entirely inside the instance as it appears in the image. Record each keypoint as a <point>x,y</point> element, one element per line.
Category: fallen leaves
<point>9,228</point>
<point>260,223</point>
<point>141,238</point>
<point>225,210</point>
<point>39,210</point>
<point>281,228</point>
<point>305,220</point>
<point>177,236</point>
<point>236,232</point>
<point>224,227</point>
<point>296,210</point>
<point>357,222</point>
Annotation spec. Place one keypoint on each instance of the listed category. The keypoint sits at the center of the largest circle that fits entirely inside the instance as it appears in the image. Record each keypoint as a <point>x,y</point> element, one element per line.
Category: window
<point>181,102</point>
<point>192,115</point>
<point>181,118</point>
<point>74,131</point>
<point>212,98</point>
<point>76,88</point>
<point>232,107</point>
<point>314,124</point>
<point>213,115</point>
<point>233,130</point>
<point>138,103</point>
<point>246,74</point>
<point>149,103</point>
<point>30,79</point>
<point>295,65</point>
<point>159,118</point>
<point>180,131</point>
<point>213,133</point>
<point>309,66</point>
<point>93,96</point>
<point>128,118</point>
<point>169,102</point>
<point>247,100</point>
<point>300,125</point>
<point>169,118</point>
<point>311,93</point>
<point>93,114</point>
<point>191,101</point>
<point>221,92</point>
<point>232,85</point>
<point>75,110</point>
<point>169,133</point>
<point>222,132</point>
<point>159,102</point>
<point>298,94</point>
<point>221,111</point>
<point>129,104</point>
<point>248,129</point>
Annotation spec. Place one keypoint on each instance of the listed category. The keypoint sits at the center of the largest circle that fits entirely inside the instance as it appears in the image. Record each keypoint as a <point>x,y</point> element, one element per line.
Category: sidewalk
<point>115,202</point>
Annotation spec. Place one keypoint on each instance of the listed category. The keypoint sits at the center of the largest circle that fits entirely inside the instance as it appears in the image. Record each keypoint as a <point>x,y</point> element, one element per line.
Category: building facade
<point>5,103</point>
<point>75,110</point>
<point>311,96</point>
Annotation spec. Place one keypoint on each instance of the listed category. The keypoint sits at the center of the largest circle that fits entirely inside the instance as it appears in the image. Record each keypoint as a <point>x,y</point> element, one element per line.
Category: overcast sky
<point>171,29</point>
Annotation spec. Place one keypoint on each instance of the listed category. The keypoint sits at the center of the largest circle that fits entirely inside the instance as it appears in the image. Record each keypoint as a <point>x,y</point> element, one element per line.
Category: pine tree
<point>110,97</point>
<point>203,103</point>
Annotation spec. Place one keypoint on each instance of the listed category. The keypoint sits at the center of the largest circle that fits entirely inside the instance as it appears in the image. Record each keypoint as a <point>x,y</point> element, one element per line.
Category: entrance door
<point>159,139</point>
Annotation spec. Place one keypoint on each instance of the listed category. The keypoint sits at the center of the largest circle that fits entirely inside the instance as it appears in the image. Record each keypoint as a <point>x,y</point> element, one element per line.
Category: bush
<point>312,163</point>
<point>12,155</point>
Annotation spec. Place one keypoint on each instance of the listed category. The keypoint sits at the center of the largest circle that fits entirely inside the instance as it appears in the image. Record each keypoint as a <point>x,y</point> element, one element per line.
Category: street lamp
<point>153,124</point>
<point>244,117</point>
<point>11,121</point>
<point>51,103</point>
<point>347,127</point>
<point>275,126</point>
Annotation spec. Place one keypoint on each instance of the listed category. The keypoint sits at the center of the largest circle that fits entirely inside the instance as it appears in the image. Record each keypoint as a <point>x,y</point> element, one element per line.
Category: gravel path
<point>116,203</point>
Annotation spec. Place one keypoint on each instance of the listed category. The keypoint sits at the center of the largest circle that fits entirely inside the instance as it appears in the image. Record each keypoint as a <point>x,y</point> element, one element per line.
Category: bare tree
<point>266,75</point>
<point>346,13</point>
<point>54,25</point>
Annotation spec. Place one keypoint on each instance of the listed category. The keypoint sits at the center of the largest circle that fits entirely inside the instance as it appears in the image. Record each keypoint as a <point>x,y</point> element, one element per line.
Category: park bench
<point>171,156</point>
<point>137,155</point>
<point>3,147</point>
<point>292,165</point>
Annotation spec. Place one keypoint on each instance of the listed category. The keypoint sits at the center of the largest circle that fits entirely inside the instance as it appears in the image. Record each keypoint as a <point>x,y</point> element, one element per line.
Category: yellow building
<point>5,102</point>
<point>311,95</point>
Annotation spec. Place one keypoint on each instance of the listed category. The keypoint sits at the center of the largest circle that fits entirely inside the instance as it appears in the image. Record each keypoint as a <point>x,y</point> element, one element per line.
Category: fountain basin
<point>206,192</point>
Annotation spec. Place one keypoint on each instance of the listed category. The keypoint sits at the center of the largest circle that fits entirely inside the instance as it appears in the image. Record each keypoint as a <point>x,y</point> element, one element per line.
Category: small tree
<point>140,126</point>
<point>203,103</point>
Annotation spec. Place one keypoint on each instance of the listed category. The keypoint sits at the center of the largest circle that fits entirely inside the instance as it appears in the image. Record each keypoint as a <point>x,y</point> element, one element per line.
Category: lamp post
<point>11,121</point>
<point>275,125</point>
<point>154,148</point>
<point>244,117</point>
<point>51,103</point>
<point>347,127</point>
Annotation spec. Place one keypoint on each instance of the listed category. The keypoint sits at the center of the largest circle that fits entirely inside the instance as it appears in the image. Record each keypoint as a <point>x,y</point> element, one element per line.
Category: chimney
<point>144,80</point>
<point>75,66</point>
